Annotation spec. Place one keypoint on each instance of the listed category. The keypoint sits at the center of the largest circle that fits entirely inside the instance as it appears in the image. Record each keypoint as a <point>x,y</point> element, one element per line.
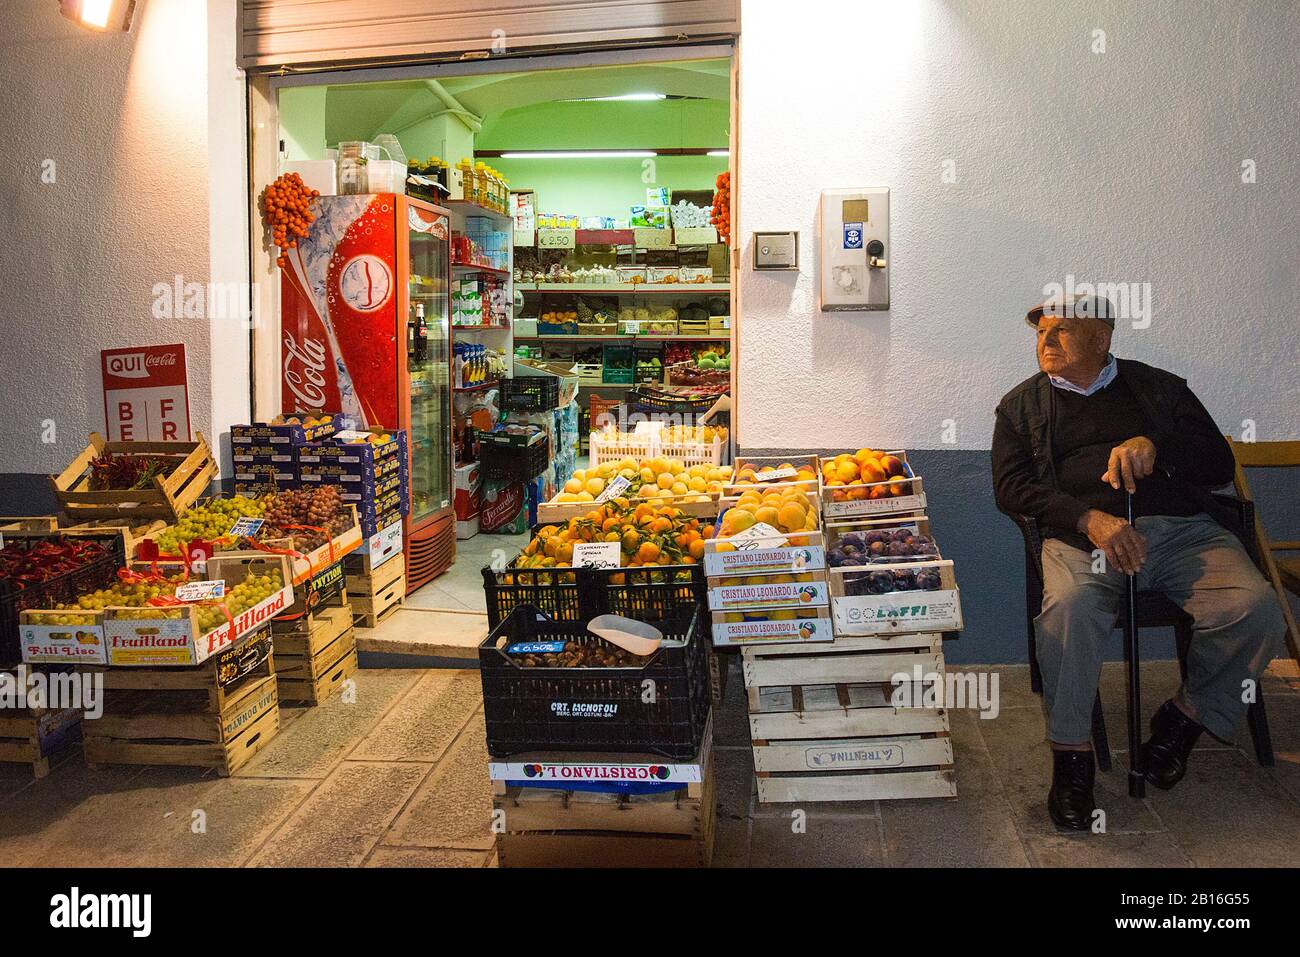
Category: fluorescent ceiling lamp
<point>623,97</point>
<point>581,154</point>
<point>718,153</point>
<point>101,15</point>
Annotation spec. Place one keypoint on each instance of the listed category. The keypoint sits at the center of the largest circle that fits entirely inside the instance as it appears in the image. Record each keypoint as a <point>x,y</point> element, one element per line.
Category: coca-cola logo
<point>366,283</point>
<point>306,384</point>
<point>502,508</point>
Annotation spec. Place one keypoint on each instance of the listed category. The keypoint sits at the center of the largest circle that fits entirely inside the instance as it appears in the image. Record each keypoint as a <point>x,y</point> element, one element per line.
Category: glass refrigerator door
<point>428,361</point>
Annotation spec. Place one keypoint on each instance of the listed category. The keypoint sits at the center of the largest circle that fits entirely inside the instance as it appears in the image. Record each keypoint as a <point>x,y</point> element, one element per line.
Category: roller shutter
<point>320,34</point>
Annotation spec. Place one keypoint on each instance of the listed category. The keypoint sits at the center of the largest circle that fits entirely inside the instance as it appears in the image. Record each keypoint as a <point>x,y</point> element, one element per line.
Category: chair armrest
<point>1032,533</point>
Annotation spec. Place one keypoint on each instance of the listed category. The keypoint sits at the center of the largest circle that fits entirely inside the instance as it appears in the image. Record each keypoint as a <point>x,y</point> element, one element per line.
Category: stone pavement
<point>398,779</point>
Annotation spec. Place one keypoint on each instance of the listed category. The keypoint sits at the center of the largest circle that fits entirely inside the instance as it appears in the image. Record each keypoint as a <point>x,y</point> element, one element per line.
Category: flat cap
<point>1077,307</point>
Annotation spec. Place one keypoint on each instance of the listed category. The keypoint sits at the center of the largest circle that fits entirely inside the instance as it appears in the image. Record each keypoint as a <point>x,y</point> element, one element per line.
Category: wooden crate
<point>131,531</point>
<point>167,498</point>
<point>824,729</point>
<point>377,596</point>
<point>182,717</point>
<point>32,735</point>
<point>309,668</point>
<point>33,524</point>
<point>556,827</point>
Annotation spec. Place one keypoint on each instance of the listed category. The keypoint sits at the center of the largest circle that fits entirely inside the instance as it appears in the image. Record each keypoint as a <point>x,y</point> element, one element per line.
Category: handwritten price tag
<point>777,475</point>
<point>556,238</point>
<point>613,490</point>
<point>596,555</point>
<point>201,591</point>
<point>758,535</point>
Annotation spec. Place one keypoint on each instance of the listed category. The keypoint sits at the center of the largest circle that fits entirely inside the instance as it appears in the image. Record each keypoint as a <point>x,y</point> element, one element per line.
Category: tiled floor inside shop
<point>397,778</point>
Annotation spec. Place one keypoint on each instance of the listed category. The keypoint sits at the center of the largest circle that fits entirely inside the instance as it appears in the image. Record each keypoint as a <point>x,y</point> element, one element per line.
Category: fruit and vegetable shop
<point>567,374</point>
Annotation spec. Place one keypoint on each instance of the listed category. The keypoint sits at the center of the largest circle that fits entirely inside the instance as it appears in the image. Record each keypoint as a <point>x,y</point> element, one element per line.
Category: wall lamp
<point>106,16</point>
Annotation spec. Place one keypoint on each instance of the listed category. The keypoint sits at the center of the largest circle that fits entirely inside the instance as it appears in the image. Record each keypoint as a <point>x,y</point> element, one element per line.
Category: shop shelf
<point>490,384</point>
<point>479,267</point>
<point>530,394</point>
<point>670,288</point>
<point>468,208</point>
<point>518,702</point>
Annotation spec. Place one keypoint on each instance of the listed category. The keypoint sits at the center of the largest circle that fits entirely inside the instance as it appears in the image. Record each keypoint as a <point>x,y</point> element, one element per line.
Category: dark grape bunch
<point>320,507</point>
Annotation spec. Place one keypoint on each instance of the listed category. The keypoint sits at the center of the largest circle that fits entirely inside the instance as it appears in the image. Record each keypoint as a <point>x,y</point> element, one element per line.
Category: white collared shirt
<point>1104,378</point>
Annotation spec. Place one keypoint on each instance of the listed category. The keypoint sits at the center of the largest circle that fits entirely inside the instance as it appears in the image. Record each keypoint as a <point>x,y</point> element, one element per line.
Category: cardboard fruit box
<point>119,636</point>
<point>860,610</point>
<point>285,435</point>
<point>770,627</point>
<point>893,496</point>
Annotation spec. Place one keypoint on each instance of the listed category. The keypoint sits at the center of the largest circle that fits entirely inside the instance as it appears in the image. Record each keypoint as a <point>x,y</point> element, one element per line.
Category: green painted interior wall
<point>302,122</point>
<point>606,187</point>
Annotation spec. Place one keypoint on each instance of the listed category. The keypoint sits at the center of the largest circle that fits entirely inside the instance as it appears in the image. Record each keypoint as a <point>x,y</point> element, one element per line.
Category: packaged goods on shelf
<point>467,499</point>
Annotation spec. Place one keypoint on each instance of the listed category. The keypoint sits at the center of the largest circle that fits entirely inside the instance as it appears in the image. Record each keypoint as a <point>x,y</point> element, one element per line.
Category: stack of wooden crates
<point>855,717</point>
<point>315,644</point>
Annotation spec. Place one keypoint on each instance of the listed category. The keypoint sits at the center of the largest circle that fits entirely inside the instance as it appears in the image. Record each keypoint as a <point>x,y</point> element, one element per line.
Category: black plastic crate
<point>510,463</point>
<point>580,594</point>
<point>530,394</point>
<point>652,400</point>
<point>66,588</point>
<point>596,709</point>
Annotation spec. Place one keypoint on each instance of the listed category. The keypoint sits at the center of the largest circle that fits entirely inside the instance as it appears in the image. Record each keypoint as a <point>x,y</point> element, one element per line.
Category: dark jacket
<point>1190,450</point>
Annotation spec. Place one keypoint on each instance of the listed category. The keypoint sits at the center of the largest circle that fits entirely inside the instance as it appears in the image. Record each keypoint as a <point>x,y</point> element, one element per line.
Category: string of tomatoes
<point>286,212</point>
<point>721,216</point>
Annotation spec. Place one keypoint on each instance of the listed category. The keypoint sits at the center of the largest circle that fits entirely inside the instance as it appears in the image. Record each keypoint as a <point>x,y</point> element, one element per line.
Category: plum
<point>927,579</point>
<point>877,550</point>
<point>835,557</point>
<point>904,580</point>
<point>899,549</point>
<point>880,583</point>
<point>876,535</point>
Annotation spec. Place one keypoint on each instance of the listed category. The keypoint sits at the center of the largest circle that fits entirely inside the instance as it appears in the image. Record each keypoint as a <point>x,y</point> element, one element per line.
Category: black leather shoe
<point>1070,801</point>
<point>1173,735</point>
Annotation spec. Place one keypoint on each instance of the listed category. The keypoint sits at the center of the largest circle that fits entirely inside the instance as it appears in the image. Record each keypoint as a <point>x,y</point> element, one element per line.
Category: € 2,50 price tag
<point>201,591</point>
<point>597,555</point>
<point>613,490</point>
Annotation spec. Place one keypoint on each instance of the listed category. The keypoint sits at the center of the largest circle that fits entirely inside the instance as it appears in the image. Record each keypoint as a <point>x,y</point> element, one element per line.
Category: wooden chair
<point>1284,573</point>
<point>1154,610</point>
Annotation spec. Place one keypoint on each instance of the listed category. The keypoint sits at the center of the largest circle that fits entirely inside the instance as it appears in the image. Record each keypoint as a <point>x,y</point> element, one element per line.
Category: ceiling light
<point>102,15</point>
<point>581,154</point>
<point>718,153</point>
<point>622,97</point>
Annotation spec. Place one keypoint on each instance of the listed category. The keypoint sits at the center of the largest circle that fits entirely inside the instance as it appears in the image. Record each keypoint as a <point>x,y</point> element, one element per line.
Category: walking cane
<point>1137,785</point>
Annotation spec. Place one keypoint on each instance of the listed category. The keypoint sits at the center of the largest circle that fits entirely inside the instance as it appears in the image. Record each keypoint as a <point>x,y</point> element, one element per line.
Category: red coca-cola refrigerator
<point>364,307</point>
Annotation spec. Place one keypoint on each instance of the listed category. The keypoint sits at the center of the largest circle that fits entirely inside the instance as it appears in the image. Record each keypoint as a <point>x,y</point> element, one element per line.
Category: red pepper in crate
<point>34,562</point>
<point>126,472</point>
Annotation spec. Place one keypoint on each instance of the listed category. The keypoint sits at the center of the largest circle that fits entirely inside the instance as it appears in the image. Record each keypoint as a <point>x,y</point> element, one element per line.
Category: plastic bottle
<point>467,178</point>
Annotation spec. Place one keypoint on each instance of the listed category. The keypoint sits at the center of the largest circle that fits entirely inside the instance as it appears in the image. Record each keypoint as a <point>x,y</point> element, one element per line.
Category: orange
<point>648,552</point>
<point>697,549</point>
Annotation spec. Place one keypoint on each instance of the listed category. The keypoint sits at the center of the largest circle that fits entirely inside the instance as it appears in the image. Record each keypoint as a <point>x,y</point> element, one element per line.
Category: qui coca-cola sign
<point>146,396</point>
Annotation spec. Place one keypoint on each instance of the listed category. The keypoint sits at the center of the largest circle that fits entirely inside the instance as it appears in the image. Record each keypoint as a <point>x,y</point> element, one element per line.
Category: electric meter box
<point>853,275</point>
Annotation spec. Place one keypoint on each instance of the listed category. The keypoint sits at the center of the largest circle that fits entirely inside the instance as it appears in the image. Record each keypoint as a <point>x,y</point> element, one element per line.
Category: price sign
<point>613,490</point>
<point>556,238</point>
<point>535,648</point>
<point>351,435</point>
<point>776,475</point>
<point>696,236</point>
<point>246,527</point>
<point>651,238</point>
<point>758,535</point>
<point>201,591</point>
<point>597,555</point>
<point>146,397</point>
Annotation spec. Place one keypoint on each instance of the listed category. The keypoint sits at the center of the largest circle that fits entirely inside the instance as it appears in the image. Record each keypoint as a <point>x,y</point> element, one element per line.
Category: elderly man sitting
<point>1068,443</point>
